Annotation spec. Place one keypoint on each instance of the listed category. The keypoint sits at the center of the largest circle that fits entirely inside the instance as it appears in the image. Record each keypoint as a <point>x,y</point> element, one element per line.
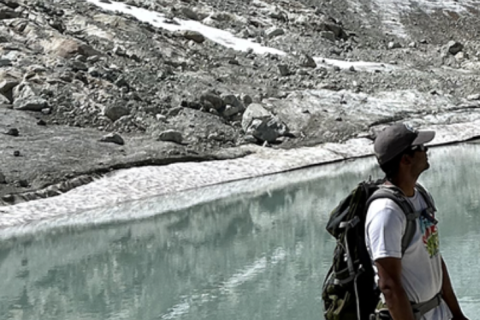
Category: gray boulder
<point>190,14</point>
<point>119,51</point>
<point>30,104</point>
<point>307,61</point>
<point>454,47</point>
<point>233,105</point>
<point>68,47</point>
<point>5,63</point>
<point>261,124</point>
<point>113,138</point>
<point>284,70</point>
<point>24,90</point>
<point>274,32</point>
<point>11,3</point>
<point>194,36</point>
<point>13,132</point>
<point>335,29</point>
<point>8,13</point>
<point>265,129</point>
<point>6,87</point>
<point>4,100</point>
<point>247,100</point>
<point>211,99</point>
<point>233,100</point>
<point>329,35</point>
<point>254,111</point>
<point>116,112</point>
<point>171,135</point>
<point>231,110</point>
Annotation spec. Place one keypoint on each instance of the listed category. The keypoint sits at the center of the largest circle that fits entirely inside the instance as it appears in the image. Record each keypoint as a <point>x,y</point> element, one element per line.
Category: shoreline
<point>17,225</point>
<point>136,184</point>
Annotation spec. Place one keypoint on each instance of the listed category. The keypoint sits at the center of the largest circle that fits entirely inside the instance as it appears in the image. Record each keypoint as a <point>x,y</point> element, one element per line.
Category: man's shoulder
<point>384,204</point>
<point>384,207</point>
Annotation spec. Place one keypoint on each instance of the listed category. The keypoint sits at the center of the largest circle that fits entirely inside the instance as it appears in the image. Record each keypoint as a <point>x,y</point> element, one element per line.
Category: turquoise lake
<point>261,253</point>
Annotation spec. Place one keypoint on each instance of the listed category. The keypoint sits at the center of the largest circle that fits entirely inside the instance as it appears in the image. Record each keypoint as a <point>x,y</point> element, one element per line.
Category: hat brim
<point>423,137</point>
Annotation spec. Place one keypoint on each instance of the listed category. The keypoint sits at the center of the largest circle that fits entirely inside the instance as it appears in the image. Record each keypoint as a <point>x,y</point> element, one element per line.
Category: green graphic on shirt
<point>430,237</point>
<point>433,244</point>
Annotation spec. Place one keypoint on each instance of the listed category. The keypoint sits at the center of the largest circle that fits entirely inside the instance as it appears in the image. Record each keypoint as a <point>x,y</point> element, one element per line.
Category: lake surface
<point>253,249</point>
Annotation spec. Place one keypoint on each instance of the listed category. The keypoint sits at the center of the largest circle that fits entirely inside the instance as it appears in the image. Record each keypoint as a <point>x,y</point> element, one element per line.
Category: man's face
<point>419,159</point>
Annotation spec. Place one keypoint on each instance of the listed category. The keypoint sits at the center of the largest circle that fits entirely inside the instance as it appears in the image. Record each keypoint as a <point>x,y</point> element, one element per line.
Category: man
<point>418,274</point>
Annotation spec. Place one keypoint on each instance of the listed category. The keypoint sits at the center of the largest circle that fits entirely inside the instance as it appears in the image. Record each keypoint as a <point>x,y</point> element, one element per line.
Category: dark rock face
<point>69,67</point>
<point>3,180</point>
<point>13,132</point>
<point>454,47</point>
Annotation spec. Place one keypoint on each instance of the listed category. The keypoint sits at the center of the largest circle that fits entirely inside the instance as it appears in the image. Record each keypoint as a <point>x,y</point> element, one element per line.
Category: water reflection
<point>251,256</point>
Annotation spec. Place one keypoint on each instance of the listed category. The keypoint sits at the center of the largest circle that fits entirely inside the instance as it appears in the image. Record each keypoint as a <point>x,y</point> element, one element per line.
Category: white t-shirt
<point>421,264</point>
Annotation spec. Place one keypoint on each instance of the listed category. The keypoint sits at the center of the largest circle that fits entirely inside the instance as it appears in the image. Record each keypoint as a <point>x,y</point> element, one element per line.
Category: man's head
<point>398,141</point>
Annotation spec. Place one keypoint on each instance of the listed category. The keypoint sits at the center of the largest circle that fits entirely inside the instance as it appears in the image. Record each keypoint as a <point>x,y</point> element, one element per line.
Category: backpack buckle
<point>350,223</point>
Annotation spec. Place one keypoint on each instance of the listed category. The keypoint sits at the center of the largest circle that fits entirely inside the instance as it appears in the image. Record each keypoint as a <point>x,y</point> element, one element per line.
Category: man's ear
<point>406,159</point>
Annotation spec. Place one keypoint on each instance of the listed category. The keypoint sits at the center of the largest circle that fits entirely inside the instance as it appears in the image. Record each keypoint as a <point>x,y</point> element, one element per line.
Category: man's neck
<point>406,185</point>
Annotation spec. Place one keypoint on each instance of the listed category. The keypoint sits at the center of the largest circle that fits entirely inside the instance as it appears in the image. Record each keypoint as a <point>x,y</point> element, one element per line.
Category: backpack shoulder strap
<point>428,198</point>
<point>396,195</point>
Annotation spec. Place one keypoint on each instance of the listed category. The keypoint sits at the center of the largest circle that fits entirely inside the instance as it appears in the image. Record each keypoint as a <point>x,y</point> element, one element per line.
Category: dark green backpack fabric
<point>349,291</point>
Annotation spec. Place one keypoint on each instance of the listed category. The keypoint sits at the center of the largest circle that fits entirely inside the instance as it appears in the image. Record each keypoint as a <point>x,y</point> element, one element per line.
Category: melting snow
<point>159,20</point>
<point>225,38</point>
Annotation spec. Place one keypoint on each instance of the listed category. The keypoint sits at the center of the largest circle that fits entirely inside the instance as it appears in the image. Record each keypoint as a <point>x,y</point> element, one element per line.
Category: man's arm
<point>390,283</point>
<point>449,296</point>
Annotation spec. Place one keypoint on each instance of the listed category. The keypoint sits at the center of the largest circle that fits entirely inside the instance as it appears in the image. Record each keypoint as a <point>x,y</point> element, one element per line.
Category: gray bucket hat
<point>394,140</point>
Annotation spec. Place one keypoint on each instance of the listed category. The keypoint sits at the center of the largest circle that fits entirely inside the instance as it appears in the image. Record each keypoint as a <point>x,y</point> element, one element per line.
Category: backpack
<point>349,291</point>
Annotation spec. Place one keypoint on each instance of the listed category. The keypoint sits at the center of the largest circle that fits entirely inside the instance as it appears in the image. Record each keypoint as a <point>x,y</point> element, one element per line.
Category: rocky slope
<point>85,90</point>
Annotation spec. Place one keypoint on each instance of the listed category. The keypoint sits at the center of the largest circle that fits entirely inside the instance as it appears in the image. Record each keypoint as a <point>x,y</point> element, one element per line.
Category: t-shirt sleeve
<point>385,228</point>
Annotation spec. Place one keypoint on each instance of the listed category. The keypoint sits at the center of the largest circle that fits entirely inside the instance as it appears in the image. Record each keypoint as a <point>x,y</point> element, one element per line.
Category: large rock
<point>262,130</point>
<point>3,180</point>
<point>68,48</point>
<point>9,79</point>
<point>171,135</point>
<point>274,32</point>
<point>231,110</point>
<point>233,101</point>
<point>329,35</point>
<point>307,61</point>
<point>260,123</point>
<point>4,101</point>
<point>24,90</point>
<point>190,14</point>
<point>266,129</point>
<point>116,112</point>
<point>6,87</point>
<point>113,138</point>
<point>334,28</point>
<point>284,70</point>
<point>5,63</point>
<point>254,111</point>
<point>11,3</point>
<point>8,13</point>
<point>194,36</point>
<point>30,104</point>
<point>454,47</point>
<point>212,100</point>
